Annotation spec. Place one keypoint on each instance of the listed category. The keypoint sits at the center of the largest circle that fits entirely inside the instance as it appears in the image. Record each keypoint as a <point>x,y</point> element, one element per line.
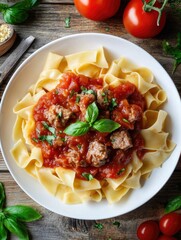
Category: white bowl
<point>28,73</point>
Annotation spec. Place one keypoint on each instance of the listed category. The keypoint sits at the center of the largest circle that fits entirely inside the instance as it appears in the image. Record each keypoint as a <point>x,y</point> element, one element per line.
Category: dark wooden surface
<point>46,24</point>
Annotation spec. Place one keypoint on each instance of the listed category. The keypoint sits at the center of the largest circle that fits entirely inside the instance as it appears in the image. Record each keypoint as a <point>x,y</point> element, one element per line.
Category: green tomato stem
<point>147,7</point>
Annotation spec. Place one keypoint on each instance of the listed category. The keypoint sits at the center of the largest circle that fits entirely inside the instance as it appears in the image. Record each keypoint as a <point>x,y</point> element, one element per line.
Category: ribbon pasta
<point>62,183</point>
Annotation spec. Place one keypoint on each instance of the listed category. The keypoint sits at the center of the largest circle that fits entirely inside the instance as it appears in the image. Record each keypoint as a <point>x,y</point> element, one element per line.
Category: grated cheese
<point>5,32</point>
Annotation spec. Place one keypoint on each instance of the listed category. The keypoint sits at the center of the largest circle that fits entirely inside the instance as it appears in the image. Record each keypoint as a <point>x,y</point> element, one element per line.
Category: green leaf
<point>173,204</point>
<point>15,15</point>
<point>3,231</point>
<point>2,196</point>
<point>77,129</point>
<point>121,171</point>
<point>174,52</point>
<point>106,125</point>
<point>16,227</point>
<point>116,223</point>
<point>67,22</point>
<point>23,213</point>
<point>49,128</point>
<point>92,113</point>
<point>48,138</point>
<point>113,104</point>
<point>88,176</point>
<point>99,226</point>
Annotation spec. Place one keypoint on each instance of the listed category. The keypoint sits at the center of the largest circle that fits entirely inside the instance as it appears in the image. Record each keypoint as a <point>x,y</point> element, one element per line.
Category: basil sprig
<point>12,218</point>
<point>103,125</point>
<point>173,205</point>
<point>18,12</point>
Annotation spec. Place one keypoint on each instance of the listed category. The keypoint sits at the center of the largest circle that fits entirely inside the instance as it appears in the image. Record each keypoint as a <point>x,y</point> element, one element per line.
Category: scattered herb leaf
<point>51,129</point>
<point>173,204</point>
<point>59,115</point>
<point>113,104</point>
<point>77,99</point>
<point>67,22</point>
<point>88,176</point>
<point>175,51</point>
<point>116,223</point>
<point>125,120</point>
<point>35,139</point>
<point>72,93</point>
<point>79,146</point>
<point>48,138</point>
<point>99,226</point>
<point>120,171</point>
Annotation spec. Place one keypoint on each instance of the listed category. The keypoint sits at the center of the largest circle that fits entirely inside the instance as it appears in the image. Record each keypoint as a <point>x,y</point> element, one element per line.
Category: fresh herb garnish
<point>35,139</point>
<point>87,91</point>
<point>72,93</point>
<point>79,146</point>
<point>99,226</point>
<point>125,120</point>
<point>48,138</point>
<point>173,204</point>
<point>59,115</point>
<point>121,171</point>
<point>18,12</point>
<point>77,99</point>
<point>103,125</point>
<point>63,139</point>
<point>113,104</point>
<point>67,22</point>
<point>88,176</point>
<point>12,218</point>
<point>116,223</point>
<point>49,128</point>
<point>175,51</point>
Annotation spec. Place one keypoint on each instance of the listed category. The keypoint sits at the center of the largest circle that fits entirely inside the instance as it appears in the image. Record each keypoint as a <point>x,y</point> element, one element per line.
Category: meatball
<point>97,154</point>
<point>121,140</point>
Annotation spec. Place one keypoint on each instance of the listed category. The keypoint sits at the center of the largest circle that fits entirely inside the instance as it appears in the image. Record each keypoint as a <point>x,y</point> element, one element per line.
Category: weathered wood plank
<point>54,226</point>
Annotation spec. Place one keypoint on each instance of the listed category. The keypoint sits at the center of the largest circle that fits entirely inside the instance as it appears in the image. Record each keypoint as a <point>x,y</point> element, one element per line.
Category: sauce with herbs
<point>100,154</point>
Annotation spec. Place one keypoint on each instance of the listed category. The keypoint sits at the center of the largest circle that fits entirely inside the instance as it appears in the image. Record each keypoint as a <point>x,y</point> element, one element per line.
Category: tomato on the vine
<point>148,230</point>
<point>141,21</point>
<point>170,223</point>
<point>164,237</point>
<point>97,10</point>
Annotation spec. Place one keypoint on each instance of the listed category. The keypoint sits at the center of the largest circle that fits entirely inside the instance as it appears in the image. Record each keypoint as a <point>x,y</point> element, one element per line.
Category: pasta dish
<point>90,128</point>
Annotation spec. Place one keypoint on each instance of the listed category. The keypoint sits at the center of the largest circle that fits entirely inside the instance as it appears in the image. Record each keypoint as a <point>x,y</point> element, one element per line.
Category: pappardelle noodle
<point>90,129</point>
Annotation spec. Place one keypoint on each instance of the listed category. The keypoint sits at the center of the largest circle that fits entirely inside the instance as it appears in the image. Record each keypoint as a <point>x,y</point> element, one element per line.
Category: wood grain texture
<point>46,24</point>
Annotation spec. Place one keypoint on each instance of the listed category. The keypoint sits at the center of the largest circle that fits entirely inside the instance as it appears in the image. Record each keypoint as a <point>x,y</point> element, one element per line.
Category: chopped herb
<point>120,171</point>
<point>48,138</point>
<point>63,139</point>
<point>79,146</point>
<point>116,223</point>
<point>67,22</point>
<point>113,104</point>
<point>106,99</point>
<point>77,99</point>
<point>103,94</point>
<point>35,140</point>
<point>88,176</point>
<point>99,226</point>
<point>87,91</point>
<point>59,115</point>
<point>125,120</point>
<point>175,51</point>
<point>56,91</point>
<point>51,129</point>
<point>72,93</point>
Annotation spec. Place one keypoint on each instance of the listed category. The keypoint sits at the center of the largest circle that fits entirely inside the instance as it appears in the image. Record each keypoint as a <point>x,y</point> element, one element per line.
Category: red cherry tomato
<point>97,10</point>
<point>148,230</point>
<point>164,237</point>
<point>170,223</point>
<point>142,24</point>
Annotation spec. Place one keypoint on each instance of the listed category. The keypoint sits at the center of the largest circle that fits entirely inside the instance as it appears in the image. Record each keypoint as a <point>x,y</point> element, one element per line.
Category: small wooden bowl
<point>8,43</point>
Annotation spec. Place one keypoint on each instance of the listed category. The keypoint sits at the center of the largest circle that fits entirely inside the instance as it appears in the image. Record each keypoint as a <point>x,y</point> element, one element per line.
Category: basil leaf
<point>51,129</point>
<point>77,129</point>
<point>2,196</point>
<point>23,213</point>
<point>173,205</point>
<point>106,125</point>
<point>99,226</point>
<point>3,231</point>
<point>92,113</point>
<point>48,138</point>
<point>15,15</point>
<point>113,104</point>
<point>88,176</point>
<point>16,228</point>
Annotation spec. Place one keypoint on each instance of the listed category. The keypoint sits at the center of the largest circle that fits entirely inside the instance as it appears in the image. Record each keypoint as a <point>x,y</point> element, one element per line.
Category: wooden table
<point>47,23</point>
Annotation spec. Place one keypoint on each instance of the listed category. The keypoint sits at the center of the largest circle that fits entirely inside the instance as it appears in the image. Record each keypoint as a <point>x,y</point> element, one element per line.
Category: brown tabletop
<point>47,23</point>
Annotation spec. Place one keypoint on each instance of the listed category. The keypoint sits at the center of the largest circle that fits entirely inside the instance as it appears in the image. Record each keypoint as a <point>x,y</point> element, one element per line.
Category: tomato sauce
<point>71,98</point>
